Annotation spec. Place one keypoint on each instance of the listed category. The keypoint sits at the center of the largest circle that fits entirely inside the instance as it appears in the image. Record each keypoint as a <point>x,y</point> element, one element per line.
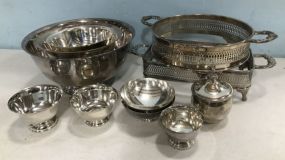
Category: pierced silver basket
<point>239,78</point>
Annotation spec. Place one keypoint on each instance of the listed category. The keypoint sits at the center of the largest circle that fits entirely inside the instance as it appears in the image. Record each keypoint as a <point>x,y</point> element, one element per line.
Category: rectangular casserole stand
<point>239,78</point>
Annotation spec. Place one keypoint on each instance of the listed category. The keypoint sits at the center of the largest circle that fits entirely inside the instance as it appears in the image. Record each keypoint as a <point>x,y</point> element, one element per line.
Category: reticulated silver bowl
<point>37,105</point>
<point>147,97</point>
<point>94,103</point>
<point>181,124</point>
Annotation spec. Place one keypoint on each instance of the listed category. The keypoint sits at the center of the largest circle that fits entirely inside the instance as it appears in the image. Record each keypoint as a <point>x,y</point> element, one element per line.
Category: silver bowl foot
<point>180,145</point>
<point>97,123</point>
<point>44,126</point>
<point>243,92</point>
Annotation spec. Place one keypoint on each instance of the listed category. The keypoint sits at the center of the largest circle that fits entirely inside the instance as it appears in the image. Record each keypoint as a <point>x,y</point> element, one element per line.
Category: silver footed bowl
<point>147,97</point>
<point>80,52</point>
<point>94,103</point>
<point>181,124</point>
<point>37,106</point>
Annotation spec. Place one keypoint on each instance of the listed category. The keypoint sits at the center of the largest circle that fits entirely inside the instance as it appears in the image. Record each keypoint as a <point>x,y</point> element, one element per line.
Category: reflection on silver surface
<point>79,38</point>
<point>203,42</point>
<point>147,97</point>
<point>213,98</point>
<point>80,66</point>
<point>94,103</point>
<point>181,124</point>
<point>37,105</point>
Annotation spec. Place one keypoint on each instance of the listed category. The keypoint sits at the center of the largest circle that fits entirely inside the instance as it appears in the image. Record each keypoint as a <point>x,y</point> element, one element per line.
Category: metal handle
<point>134,49</point>
<point>145,20</point>
<point>270,36</point>
<point>270,61</point>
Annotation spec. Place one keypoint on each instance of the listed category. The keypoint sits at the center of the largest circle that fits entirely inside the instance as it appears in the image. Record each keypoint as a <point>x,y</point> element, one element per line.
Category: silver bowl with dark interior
<point>181,124</point>
<point>80,52</point>
<point>147,97</point>
<point>94,103</point>
<point>37,106</point>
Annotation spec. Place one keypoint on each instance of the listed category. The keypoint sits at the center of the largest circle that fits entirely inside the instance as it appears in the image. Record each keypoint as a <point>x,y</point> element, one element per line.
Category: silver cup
<point>181,124</point>
<point>94,103</point>
<point>37,106</point>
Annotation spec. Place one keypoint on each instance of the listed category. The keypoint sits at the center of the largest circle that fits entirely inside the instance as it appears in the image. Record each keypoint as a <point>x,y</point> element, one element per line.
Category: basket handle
<point>271,62</point>
<point>270,36</point>
<point>145,20</point>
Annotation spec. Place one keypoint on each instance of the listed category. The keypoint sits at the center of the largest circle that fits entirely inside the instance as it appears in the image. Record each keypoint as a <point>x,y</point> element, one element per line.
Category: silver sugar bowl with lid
<point>213,98</point>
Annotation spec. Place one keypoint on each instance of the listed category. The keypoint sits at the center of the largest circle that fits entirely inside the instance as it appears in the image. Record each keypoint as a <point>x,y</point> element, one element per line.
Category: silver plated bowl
<point>74,38</point>
<point>181,124</point>
<point>94,103</point>
<point>37,106</point>
<point>90,57</point>
<point>147,97</point>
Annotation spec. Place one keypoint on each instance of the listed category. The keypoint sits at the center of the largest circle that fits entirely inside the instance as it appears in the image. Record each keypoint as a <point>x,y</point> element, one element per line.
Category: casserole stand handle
<point>270,36</point>
<point>145,20</point>
<point>271,62</point>
<point>139,49</point>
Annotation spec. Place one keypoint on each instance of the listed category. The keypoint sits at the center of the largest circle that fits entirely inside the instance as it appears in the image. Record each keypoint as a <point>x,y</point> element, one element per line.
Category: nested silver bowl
<point>71,39</point>
<point>37,106</point>
<point>145,98</point>
<point>181,124</point>
<point>80,52</point>
<point>94,103</point>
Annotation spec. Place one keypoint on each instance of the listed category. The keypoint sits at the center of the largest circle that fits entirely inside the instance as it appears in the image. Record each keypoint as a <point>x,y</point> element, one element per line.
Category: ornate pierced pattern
<point>188,53</point>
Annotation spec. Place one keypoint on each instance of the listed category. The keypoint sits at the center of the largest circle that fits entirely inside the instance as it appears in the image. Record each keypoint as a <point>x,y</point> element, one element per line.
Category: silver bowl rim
<point>27,89</point>
<point>142,108</point>
<point>32,35</point>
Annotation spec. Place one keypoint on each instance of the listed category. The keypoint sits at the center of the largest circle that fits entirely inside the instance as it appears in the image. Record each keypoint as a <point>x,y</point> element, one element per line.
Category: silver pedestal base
<point>97,123</point>
<point>44,126</point>
<point>180,145</point>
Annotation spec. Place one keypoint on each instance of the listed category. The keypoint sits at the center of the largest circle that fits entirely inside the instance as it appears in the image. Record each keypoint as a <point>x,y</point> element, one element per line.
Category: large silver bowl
<point>37,106</point>
<point>75,62</point>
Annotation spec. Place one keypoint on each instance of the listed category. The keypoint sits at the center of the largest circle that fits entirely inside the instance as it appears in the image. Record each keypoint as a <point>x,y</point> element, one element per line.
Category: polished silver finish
<point>213,98</point>
<point>37,106</point>
<point>94,103</point>
<point>239,77</point>
<point>181,124</point>
<point>203,42</point>
<point>76,39</point>
<point>147,97</point>
<point>82,67</point>
<point>80,38</point>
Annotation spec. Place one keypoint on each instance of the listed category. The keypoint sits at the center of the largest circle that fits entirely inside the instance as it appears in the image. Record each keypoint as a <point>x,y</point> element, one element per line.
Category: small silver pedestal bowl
<point>146,98</point>
<point>181,124</point>
<point>37,106</point>
<point>94,103</point>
